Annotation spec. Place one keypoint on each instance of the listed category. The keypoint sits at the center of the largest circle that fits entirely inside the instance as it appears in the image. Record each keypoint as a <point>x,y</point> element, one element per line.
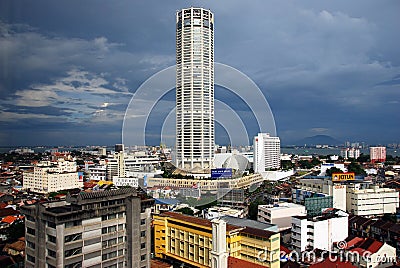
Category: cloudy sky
<point>68,69</point>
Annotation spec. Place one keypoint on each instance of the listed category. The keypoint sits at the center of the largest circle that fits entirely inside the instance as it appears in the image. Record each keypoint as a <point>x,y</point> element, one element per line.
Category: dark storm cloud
<point>327,67</point>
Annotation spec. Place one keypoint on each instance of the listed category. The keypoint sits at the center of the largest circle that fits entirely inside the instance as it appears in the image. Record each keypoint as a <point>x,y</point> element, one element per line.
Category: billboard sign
<point>348,176</point>
<point>221,173</point>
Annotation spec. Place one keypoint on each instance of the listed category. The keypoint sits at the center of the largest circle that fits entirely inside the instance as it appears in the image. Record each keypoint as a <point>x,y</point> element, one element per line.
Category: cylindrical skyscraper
<point>194,88</point>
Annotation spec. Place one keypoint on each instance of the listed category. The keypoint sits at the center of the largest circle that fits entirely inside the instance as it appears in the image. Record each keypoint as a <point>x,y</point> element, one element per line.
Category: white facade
<point>372,201</point>
<point>350,153</point>
<point>133,182</point>
<point>326,166</point>
<point>280,215</point>
<point>194,88</point>
<point>319,232</point>
<point>122,164</point>
<point>98,173</point>
<point>267,152</point>
<point>52,177</point>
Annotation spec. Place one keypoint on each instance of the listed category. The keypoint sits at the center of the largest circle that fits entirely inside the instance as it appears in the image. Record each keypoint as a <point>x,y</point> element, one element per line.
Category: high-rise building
<point>96,229</point>
<point>377,154</point>
<point>267,151</point>
<point>194,88</point>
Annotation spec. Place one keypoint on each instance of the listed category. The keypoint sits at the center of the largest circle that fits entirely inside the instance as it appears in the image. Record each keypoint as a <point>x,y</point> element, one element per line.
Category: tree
<point>332,170</point>
<point>287,164</point>
<point>253,208</point>
<point>186,211</point>
<point>363,158</point>
<point>356,168</point>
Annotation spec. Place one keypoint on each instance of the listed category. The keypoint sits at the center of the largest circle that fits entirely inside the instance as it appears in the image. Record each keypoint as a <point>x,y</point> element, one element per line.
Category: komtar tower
<point>194,89</point>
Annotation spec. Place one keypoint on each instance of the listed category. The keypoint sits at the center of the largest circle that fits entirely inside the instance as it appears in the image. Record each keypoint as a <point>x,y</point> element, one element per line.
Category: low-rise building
<point>371,201</point>
<point>309,233</point>
<point>190,240</point>
<point>52,177</point>
<point>280,214</point>
<point>218,212</point>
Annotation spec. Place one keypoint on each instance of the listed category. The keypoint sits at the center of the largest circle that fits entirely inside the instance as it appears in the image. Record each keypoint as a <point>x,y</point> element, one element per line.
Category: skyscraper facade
<point>267,152</point>
<point>194,88</point>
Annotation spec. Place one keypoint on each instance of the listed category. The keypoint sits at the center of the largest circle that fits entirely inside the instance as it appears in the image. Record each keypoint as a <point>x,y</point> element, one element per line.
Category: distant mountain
<point>318,139</point>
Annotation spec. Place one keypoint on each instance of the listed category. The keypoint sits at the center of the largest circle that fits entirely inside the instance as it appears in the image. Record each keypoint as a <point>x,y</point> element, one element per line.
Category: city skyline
<point>325,68</point>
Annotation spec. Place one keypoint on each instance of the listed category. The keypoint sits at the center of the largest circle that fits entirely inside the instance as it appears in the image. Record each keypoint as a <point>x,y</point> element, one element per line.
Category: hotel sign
<point>349,176</point>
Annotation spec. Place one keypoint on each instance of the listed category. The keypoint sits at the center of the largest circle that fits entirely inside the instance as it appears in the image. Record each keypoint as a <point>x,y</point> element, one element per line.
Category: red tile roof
<point>159,264</point>
<point>257,232</point>
<point>8,212</point>
<point>238,263</point>
<point>285,249</point>
<point>9,219</point>
<point>371,245</point>
<point>353,242</point>
<point>327,263</point>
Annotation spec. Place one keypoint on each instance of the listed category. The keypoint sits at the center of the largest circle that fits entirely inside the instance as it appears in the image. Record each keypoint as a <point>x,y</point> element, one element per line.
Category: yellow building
<point>189,239</point>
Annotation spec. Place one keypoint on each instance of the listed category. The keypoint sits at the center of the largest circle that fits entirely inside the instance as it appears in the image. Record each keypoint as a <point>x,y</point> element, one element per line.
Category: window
<point>29,244</point>
<point>51,253</point>
<point>30,258</point>
<point>74,265</point>
<point>142,233</point>
<point>51,238</point>
<point>143,221</point>
<point>143,245</point>
<point>143,257</point>
<point>71,252</point>
<point>30,231</point>
<point>73,237</point>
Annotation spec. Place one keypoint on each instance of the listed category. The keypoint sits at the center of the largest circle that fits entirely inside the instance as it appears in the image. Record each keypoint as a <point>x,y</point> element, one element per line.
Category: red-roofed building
<point>379,253</point>
<point>328,263</point>
<point>238,263</point>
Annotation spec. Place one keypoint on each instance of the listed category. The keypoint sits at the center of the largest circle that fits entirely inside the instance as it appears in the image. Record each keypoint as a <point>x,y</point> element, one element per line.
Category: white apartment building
<point>52,177</point>
<point>132,182</point>
<point>371,201</point>
<point>280,214</point>
<point>350,153</point>
<point>122,163</point>
<point>267,152</point>
<point>194,88</point>
<point>98,173</point>
<point>319,232</point>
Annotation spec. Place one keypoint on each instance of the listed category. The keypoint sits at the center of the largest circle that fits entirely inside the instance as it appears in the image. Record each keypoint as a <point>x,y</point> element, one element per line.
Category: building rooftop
<point>281,206</point>
<point>369,245</point>
<point>196,220</point>
<point>328,263</point>
<point>249,223</point>
<point>238,263</point>
<point>257,232</point>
